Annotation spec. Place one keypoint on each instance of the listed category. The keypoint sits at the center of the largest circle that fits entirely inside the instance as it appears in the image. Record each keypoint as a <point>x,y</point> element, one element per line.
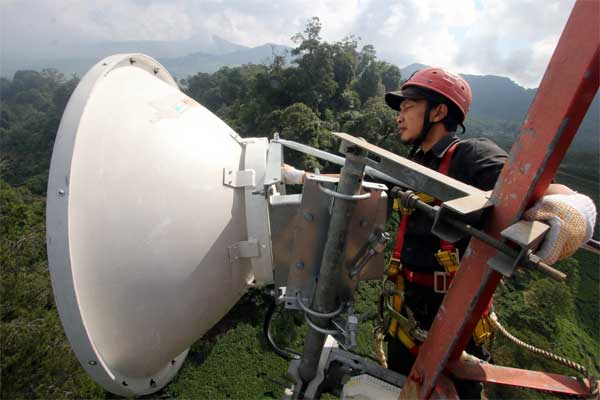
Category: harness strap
<point>445,169</point>
<point>439,281</point>
<point>446,246</point>
<point>400,237</point>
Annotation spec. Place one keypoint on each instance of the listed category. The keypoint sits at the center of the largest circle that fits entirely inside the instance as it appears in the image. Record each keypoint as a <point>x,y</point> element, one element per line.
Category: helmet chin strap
<point>427,124</point>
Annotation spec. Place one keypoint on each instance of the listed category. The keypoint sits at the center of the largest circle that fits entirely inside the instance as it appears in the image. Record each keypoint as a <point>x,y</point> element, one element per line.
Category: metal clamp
<point>315,313</point>
<point>347,330</point>
<point>444,281</point>
<point>331,332</point>
<point>342,196</point>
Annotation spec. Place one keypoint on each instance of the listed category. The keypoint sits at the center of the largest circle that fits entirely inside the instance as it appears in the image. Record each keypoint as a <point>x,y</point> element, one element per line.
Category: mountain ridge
<point>495,98</point>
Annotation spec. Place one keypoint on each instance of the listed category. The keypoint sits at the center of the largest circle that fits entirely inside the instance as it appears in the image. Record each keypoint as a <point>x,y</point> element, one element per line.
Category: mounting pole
<point>326,298</point>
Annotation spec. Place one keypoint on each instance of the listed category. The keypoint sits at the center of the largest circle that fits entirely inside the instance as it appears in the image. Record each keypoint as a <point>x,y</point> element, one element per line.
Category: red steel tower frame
<point>565,93</point>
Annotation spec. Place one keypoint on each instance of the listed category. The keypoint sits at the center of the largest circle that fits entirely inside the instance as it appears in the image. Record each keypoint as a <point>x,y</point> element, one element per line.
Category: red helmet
<point>451,86</point>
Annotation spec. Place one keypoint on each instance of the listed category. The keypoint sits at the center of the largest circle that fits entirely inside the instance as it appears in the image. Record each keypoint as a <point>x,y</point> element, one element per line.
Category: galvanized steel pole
<point>326,291</point>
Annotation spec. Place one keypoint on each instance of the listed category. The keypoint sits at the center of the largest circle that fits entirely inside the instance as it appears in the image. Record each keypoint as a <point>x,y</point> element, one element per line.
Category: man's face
<point>410,119</point>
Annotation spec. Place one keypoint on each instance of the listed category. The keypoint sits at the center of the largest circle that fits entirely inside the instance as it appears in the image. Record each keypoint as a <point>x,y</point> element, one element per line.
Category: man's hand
<point>291,175</point>
<point>571,217</point>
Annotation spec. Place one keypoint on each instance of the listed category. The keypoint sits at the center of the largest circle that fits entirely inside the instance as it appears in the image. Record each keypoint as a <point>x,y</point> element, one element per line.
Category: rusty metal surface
<point>489,373</point>
<point>444,389</point>
<point>564,95</point>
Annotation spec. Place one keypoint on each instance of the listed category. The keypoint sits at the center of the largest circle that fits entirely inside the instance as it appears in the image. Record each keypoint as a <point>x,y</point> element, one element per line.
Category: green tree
<point>369,83</point>
<point>376,122</point>
<point>390,76</point>
<point>30,110</point>
<point>298,122</point>
<point>314,80</point>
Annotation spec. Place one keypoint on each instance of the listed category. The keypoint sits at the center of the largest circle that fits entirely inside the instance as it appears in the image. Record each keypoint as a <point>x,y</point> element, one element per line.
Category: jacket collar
<point>442,146</point>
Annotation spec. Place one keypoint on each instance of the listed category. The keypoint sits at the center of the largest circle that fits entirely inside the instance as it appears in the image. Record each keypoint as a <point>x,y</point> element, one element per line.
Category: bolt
<point>156,70</point>
<point>60,193</point>
<point>300,265</point>
<point>308,217</point>
<point>92,362</point>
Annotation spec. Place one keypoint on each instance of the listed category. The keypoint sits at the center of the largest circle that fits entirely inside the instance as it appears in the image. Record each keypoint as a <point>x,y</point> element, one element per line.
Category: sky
<point>513,38</point>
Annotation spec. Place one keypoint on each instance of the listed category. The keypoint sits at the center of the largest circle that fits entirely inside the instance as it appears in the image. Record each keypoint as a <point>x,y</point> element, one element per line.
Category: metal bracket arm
<point>414,175</point>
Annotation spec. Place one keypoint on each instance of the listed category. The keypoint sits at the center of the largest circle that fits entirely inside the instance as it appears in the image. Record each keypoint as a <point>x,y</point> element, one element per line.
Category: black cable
<point>285,353</point>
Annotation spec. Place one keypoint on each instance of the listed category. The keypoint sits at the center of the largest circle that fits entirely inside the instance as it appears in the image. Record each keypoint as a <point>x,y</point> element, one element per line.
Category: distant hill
<point>191,64</point>
<point>214,45</point>
<point>182,57</point>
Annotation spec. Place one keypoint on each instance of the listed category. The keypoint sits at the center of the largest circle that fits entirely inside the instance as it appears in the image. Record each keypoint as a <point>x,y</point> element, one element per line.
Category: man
<point>431,105</point>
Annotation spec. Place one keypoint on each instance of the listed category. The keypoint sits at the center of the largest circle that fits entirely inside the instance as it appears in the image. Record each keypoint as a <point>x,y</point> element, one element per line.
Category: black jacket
<point>476,162</point>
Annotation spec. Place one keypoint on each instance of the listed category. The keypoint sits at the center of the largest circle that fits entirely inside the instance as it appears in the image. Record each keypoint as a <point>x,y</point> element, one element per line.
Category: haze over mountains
<point>181,57</point>
<point>496,98</point>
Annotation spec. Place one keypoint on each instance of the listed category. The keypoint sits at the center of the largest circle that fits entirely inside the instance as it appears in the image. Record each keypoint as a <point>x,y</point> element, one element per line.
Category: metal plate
<point>283,217</point>
<point>310,234</point>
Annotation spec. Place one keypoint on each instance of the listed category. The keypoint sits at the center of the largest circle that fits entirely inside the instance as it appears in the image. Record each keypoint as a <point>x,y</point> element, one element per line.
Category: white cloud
<point>505,37</point>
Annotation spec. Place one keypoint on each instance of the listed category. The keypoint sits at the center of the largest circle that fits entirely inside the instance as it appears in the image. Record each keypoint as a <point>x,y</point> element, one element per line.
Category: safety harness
<point>402,325</point>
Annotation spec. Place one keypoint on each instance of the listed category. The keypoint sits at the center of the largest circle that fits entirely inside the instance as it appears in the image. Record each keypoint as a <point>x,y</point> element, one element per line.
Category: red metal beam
<point>564,95</point>
<point>489,373</point>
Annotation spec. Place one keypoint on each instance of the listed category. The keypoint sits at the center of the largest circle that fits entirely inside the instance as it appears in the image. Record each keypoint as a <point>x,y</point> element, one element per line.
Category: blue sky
<point>514,38</point>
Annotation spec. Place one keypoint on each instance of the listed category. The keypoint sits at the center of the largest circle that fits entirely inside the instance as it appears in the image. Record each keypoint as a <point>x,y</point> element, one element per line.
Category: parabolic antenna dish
<point>140,223</point>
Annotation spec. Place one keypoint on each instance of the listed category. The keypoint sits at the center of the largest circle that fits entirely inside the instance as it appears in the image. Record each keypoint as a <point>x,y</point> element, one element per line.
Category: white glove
<point>291,175</point>
<point>571,218</point>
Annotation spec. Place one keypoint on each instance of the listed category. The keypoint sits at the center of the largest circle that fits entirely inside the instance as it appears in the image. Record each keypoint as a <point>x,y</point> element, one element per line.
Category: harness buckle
<point>440,285</point>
